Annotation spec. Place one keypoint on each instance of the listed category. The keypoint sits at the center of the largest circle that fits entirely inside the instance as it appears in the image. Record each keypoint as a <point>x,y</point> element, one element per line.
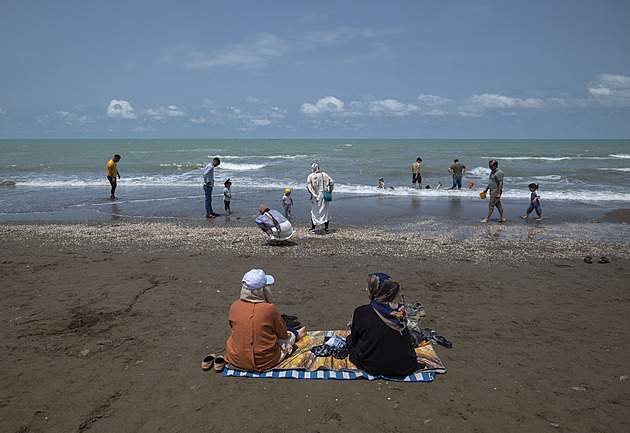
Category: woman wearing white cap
<point>260,338</point>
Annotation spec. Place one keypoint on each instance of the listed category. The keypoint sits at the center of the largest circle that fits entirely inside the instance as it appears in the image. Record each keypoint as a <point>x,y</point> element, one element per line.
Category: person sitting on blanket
<point>274,224</point>
<point>380,342</point>
<point>260,338</point>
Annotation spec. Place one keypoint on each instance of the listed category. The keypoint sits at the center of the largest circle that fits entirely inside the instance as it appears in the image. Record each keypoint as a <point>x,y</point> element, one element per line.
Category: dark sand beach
<point>104,326</point>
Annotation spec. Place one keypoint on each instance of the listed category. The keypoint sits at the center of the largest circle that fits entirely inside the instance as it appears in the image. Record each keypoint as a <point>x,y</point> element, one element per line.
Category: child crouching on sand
<point>535,202</point>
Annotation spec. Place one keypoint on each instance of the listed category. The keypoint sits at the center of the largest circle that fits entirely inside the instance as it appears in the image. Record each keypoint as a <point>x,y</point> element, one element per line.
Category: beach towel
<point>303,364</point>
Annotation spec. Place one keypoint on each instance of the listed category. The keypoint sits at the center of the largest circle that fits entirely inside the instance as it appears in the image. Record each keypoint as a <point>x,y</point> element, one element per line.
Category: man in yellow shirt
<point>112,174</point>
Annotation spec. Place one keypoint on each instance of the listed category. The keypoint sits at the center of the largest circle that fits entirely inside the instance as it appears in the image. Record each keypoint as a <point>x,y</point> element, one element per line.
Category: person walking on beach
<point>316,183</point>
<point>112,174</point>
<point>415,174</point>
<point>227,196</point>
<point>534,202</point>
<point>208,183</point>
<point>495,185</point>
<point>457,170</point>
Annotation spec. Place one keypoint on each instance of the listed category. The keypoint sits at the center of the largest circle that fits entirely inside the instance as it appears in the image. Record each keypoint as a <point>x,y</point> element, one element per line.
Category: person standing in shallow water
<point>495,185</point>
<point>112,174</point>
<point>457,170</point>
<point>415,174</point>
<point>208,184</point>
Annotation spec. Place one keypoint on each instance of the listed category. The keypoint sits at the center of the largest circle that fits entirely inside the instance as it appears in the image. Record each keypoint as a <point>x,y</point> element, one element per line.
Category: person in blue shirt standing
<point>208,184</point>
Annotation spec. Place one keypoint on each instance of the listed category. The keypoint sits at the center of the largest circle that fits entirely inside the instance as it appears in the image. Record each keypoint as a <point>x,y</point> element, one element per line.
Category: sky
<point>459,69</point>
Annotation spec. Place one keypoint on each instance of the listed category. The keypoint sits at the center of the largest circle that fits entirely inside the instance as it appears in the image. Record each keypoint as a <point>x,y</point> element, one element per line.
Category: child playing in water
<point>535,202</point>
<point>227,196</point>
<point>287,202</point>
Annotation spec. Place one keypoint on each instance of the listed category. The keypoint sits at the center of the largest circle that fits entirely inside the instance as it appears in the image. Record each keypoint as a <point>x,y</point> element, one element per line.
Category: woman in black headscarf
<point>380,342</point>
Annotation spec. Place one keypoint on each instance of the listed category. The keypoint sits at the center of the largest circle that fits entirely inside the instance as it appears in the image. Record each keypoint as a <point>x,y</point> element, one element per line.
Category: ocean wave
<point>240,167</point>
<point>620,155</point>
<point>288,157</point>
<point>478,172</point>
<point>622,169</point>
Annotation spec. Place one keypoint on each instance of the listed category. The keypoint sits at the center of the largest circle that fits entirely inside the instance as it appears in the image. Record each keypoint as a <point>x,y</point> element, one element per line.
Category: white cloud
<point>391,107</point>
<point>436,113</point>
<point>612,90</point>
<point>165,112</point>
<point>260,122</point>
<point>258,50</point>
<point>253,100</point>
<point>73,119</point>
<point>253,53</point>
<point>433,101</point>
<point>120,110</point>
<point>493,100</point>
<point>328,104</point>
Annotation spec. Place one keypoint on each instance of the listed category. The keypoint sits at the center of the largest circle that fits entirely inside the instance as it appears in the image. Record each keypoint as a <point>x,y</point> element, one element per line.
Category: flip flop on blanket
<point>588,259</point>
<point>427,334</point>
<point>603,260</point>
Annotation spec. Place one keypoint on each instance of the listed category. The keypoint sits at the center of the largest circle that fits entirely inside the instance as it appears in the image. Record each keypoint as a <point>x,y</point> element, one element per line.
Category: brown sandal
<point>219,364</point>
<point>208,362</point>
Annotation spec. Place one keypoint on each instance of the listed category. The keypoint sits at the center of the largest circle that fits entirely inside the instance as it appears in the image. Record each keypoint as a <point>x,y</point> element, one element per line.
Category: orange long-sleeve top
<point>256,327</point>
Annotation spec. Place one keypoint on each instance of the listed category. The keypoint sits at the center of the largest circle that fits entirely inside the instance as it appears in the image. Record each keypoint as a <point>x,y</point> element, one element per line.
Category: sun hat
<point>288,190</point>
<point>256,279</point>
<point>472,183</point>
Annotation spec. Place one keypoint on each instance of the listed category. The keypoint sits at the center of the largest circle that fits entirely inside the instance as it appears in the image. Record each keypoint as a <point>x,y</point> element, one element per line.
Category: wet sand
<point>105,325</point>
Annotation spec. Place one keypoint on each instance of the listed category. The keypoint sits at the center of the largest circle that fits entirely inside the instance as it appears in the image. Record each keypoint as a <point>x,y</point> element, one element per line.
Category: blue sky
<point>325,69</point>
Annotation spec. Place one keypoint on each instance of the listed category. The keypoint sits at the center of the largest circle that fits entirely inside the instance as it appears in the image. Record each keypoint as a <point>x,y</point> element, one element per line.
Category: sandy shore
<point>104,327</point>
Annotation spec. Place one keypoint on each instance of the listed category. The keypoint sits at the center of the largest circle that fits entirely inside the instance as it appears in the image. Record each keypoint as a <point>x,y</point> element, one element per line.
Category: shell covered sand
<point>492,243</point>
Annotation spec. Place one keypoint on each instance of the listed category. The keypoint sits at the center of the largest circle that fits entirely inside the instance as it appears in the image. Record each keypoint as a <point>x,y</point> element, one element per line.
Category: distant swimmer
<point>415,174</point>
<point>471,185</point>
<point>381,184</point>
<point>112,174</point>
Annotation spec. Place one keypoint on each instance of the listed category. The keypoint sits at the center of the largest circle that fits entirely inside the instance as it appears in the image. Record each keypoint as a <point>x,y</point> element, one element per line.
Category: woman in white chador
<point>318,182</point>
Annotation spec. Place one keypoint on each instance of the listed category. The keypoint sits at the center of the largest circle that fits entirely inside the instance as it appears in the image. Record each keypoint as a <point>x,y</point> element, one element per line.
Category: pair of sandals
<point>602,259</point>
<point>427,334</point>
<point>213,361</point>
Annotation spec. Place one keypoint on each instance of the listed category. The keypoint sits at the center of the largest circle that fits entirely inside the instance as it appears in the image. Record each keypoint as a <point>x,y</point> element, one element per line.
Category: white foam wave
<point>620,155</point>
<point>289,157</point>
<point>622,169</point>
<point>240,167</point>
<point>478,172</point>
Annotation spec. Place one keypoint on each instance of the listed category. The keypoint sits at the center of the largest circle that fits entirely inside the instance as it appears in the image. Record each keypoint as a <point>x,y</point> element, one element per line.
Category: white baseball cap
<point>256,279</point>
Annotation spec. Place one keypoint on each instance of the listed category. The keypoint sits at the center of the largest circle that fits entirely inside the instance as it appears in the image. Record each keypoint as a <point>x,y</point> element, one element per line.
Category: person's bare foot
<point>502,220</point>
<point>485,220</point>
<point>539,219</point>
<point>524,217</point>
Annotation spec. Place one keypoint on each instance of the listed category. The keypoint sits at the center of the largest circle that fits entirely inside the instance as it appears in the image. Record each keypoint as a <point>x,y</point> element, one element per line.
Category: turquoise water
<point>162,178</point>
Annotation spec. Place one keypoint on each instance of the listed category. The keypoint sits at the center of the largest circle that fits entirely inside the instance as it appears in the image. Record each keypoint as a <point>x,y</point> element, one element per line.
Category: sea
<point>65,180</point>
